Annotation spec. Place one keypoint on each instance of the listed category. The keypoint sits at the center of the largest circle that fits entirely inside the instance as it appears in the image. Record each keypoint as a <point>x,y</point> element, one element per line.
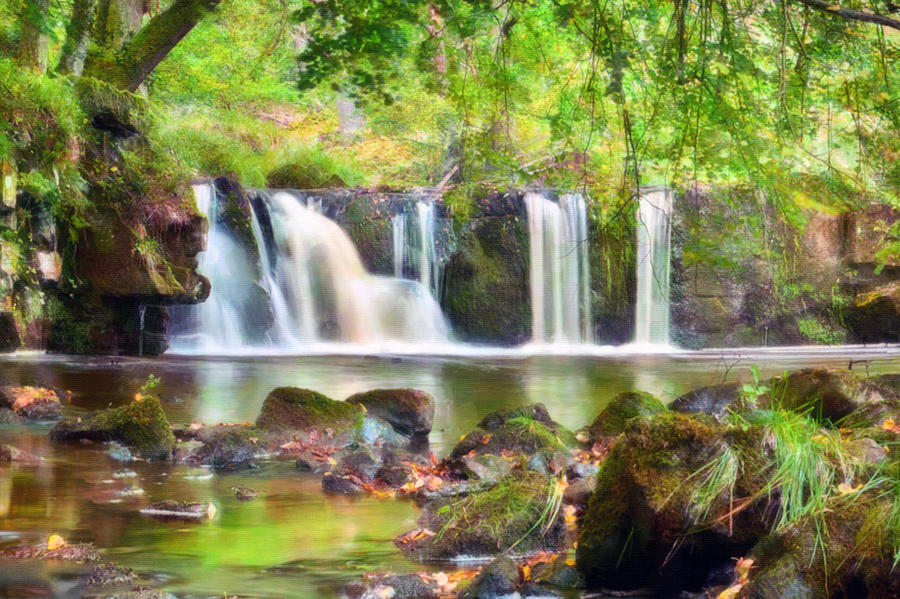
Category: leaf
<point>55,542</point>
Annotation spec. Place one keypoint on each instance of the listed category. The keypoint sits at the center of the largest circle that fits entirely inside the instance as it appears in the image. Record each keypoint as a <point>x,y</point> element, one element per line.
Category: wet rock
<point>245,493</point>
<point>558,574</point>
<point>485,467</point>
<point>409,411</point>
<point>361,463</point>
<point>110,574</point>
<point>31,403</point>
<point>341,484</point>
<point>624,407</point>
<point>179,510</point>
<point>78,552</point>
<point>375,431</point>
<point>714,400</point>
<point>580,491</point>
<point>577,470</point>
<point>139,425</point>
<point>9,454</point>
<point>7,416</point>
<point>228,447</point>
<point>509,515</point>
<point>499,579</point>
<point>409,586</point>
<point>290,409</point>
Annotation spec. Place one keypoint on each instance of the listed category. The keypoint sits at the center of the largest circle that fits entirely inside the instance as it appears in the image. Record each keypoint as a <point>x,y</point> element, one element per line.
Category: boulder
<point>290,409</point>
<point>624,407</point>
<point>31,403</point>
<point>644,504</point>
<point>714,400</point>
<point>409,411</point>
<point>498,579</point>
<point>139,425</point>
<point>510,516</point>
<point>395,586</point>
<point>230,446</point>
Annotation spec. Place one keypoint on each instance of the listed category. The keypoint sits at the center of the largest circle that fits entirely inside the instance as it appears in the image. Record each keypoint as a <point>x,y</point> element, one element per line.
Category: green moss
<point>291,408</point>
<point>139,425</point>
<point>516,513</point>
<point>626,406</point>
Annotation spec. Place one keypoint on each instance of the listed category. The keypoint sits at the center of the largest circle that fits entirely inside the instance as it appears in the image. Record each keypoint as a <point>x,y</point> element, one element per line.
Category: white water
<point>415,250</point>
<point>559,270</point>
<point>318,290</point>
<point>654,233</point>
<point>398,223</point>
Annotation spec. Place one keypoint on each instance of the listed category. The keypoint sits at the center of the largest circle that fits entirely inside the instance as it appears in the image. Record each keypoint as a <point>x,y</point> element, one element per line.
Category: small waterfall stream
<point>415,249</point>
<point>311,283</point>
<point>654,233</point>
<point>559,269</point>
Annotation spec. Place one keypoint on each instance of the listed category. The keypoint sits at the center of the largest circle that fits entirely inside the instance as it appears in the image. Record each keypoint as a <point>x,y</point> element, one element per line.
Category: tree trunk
<point>71,61</point>
<point>33,45</point>
<point>127,67</point>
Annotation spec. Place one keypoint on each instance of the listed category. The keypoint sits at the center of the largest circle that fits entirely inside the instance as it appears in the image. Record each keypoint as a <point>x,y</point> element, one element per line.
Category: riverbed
<point>294,540</point>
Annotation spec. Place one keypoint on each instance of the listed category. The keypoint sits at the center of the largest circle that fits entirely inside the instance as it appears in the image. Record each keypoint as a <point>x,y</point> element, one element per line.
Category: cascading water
<point>312,284</point>
<point>654,233</point>
<point>415,250</point>
<point>559,273</point>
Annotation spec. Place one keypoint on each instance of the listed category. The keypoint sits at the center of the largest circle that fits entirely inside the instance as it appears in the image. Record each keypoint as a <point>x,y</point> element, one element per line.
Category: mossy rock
<point>846,553</point>
<point>139,425</point>
<point>409,411</point>
<point>535,411</point>
<point>520,436</point>
<point>626,406</point>
<point>227,446</point>
<point>643,503</point>
<point>295,409</point>
<point>510,516</point>
<point>714,400</point>
<point>832,395</point>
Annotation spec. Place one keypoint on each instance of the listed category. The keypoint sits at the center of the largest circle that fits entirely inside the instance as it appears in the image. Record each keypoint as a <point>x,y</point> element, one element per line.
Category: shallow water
<point>295,541</point>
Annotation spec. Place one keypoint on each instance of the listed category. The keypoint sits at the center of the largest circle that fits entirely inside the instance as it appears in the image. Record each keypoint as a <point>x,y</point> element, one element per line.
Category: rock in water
<point>139,425</point>
<point>626,406</point>
<point>31,403</point>
<point>409,411</point>
<point>288,409</point>
<point>245,493</point>
<point>179,510</point>
<point>9,454</point>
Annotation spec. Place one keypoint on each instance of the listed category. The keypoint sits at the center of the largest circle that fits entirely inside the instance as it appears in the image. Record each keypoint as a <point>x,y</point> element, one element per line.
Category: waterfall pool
<point>294,540</point>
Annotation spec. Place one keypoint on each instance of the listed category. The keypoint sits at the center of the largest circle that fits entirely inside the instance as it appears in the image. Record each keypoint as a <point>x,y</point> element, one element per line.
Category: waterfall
<point>415,249</point>
<point>311,281</point>
<point>654,233</point>
<point>398,224</point>
<point>559,273</point>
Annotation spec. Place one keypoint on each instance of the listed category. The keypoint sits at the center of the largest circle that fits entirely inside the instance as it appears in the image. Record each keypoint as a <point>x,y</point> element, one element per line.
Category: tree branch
<point>156,39</point>
<point>850,14</point>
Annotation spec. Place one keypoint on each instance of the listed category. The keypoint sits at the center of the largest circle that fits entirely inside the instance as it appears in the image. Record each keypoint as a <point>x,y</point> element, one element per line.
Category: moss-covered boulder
<point>832,395</point>
<point>848,552</point>
<point>643,505</point>
<point>291,409</point>
<point>140,425</point>
<point>409,411</point>
<point>228,447</point>
<point>623,408</point>
<point>513,515</point>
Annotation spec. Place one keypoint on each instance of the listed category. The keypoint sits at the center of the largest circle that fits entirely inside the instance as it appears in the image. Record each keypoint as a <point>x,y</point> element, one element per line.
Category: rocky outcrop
<point>140,425</point>
<point>874,315</point>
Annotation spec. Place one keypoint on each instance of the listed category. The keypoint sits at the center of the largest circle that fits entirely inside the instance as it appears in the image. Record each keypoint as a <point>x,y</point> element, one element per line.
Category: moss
<point>140,425</point>
<point>291,408</point>
<point>512,515</point>
<point>626,406</point>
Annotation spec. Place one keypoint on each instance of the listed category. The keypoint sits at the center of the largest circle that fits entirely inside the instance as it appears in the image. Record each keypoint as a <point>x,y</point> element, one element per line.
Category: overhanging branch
<point>850,14</point>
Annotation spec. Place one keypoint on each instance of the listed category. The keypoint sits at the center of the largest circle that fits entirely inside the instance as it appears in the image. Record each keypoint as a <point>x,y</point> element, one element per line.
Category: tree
<point>107,39</point>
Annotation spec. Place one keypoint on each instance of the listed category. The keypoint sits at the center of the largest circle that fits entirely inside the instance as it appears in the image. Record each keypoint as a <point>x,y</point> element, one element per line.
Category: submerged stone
<point>9,454</point>
<point>179,510</point>
<point>499,579</point>
<point>139,425</point>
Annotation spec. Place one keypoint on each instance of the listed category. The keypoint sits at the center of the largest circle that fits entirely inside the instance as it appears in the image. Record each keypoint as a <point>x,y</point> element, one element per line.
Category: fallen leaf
<point>845,489</point>
<point>55,542</point>
<point>731,592</point>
